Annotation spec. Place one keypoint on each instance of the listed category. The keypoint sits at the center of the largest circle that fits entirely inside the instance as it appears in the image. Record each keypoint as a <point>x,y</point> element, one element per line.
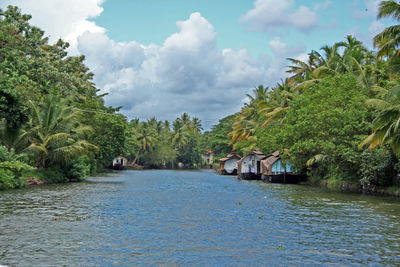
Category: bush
<point>11,169</point>
<point>78,169</point>
<point>8,180</point>
<point>378,168</point>
<point>53,174</point>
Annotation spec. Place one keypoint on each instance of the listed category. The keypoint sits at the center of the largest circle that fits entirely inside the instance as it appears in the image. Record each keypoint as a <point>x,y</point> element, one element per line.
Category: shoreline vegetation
<point>336,117</point>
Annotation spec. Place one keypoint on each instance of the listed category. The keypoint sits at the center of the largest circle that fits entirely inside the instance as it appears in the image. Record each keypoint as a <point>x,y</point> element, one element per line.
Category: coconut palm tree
<point>278,104</point>
<point>146,135</point>
<point>55,135</point>
<point>196,125</point>
<point>247,120</point>
<point>388,40</point>
<point>180,133</point>
<point>386,130</point>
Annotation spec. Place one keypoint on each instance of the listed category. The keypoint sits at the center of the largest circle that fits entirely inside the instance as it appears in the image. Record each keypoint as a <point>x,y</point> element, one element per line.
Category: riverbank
<point>37,178</point>
<point>352,187</point>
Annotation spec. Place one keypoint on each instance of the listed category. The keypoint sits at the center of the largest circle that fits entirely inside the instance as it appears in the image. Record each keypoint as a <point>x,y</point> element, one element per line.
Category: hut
<point>274,170</point>
<point>208,158</point>
<point>119,163</point>
<point>249,167</point>
<point>229,164</point>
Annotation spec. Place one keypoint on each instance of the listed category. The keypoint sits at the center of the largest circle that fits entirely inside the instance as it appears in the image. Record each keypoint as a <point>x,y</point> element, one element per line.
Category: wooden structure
<point>249,167</point>
<point>208,157</point>
<point>119,163</point>
<point>274,170</point>
<point>229,164</point>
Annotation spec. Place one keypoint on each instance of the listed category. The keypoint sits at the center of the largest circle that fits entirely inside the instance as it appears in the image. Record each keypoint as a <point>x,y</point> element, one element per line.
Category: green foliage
<point>331,119</point>
<point>162,156</point>
<point>62,98</point>
<point>11,168</point>
<point>8,180</point>
<point>218,140</point>
<point>78,169</point>
<point>378,168</point>
<point>55,134</point>
<point>11,107</point>
<point>267,137</point>
<point>110,133</point>
<point>152,143</point>
<point>189,153</point>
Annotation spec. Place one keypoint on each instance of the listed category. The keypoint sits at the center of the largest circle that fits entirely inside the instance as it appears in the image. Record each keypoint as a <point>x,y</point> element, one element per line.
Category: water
<point>199,218</point>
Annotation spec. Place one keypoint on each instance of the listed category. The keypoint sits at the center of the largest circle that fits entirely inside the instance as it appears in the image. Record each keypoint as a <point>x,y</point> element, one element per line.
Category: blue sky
<point>153,21</point>
<point>162,58</point>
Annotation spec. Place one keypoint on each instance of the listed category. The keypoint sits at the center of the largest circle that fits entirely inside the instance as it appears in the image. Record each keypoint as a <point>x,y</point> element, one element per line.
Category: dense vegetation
<point>333,105</point>
<point>53,124</point>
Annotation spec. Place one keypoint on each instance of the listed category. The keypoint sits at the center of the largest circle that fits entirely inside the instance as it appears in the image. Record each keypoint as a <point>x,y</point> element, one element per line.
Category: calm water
<point>194,218</point>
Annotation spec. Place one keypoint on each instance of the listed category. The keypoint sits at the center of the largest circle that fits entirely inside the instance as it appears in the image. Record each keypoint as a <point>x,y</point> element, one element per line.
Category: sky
<point>159,58</point>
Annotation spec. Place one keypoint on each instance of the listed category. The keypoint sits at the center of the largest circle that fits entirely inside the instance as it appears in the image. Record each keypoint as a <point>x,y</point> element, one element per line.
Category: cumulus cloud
<point>270,14</point>
<point>187,73</point>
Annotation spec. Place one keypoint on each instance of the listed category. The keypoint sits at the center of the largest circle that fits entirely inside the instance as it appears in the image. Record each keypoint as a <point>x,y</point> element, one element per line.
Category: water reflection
<point>194,218</point>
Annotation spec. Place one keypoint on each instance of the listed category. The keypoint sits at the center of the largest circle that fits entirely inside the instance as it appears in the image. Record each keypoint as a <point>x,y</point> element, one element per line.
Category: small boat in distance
<point>119,163</point>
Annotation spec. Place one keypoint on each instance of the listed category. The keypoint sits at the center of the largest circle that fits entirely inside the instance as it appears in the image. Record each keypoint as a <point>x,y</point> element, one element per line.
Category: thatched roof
<point>268,161</point>
<point>232,155</point>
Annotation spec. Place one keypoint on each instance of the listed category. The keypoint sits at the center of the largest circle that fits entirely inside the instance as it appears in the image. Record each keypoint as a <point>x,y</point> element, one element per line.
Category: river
<point>197,218</point>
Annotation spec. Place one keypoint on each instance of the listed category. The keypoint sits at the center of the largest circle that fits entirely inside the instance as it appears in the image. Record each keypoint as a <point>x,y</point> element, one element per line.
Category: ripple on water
<point>194,218</point>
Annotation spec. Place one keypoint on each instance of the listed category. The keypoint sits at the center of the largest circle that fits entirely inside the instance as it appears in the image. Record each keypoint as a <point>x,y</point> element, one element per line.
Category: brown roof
<point>230,156</point>
<point>266,163</point>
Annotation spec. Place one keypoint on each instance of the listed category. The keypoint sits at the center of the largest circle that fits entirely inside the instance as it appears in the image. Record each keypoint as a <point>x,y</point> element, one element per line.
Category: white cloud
<point>187,73</point>
<point>60,18</point>
<point>270,14</point>
<point>277,45</point>
<point>375,27</point>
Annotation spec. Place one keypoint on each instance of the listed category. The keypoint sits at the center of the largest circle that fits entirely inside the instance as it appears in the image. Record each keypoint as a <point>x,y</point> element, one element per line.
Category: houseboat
<point>249,167</point>
<point>274,170</point>
<point>229,164</point>
<point>119,163</point>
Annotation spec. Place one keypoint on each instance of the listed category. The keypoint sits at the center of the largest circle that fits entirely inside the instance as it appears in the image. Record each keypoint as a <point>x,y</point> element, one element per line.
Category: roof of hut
<point>271,158</point>
<point>258,153</point>
<point>266,163</point>
<point>232,155</point>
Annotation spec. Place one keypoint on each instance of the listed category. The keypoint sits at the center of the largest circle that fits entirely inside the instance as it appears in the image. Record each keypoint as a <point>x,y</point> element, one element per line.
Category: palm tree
<point>279,103</point>
<point>389,39</point>
<point>55,135</point>
<point>146,135</point>
<point>387,123</point>
<point>247,120</point>
<point>196,125</point>
<point>386,130</point>
<point>180,132</point>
